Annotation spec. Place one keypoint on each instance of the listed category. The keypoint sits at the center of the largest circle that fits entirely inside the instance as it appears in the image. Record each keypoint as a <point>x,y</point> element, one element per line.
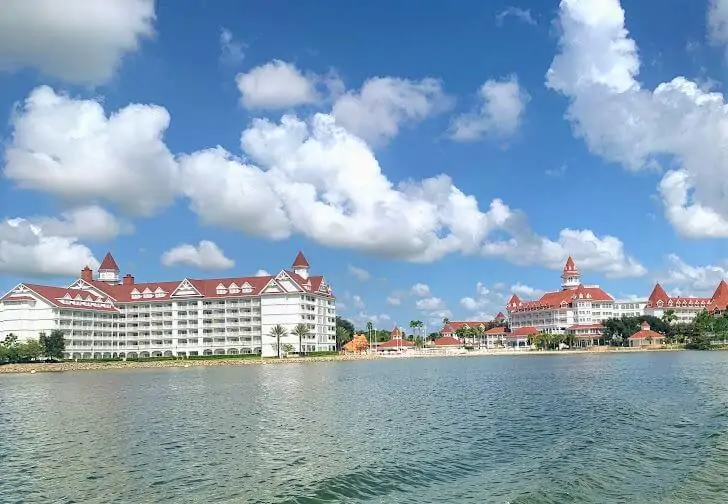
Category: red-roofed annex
<point>107,315</point>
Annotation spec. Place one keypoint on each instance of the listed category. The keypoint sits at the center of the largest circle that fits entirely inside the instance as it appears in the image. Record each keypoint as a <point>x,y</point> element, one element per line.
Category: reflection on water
<point>595,428</point>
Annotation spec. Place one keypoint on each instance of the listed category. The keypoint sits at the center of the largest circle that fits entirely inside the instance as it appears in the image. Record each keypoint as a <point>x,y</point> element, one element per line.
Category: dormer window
<point>659,303</point>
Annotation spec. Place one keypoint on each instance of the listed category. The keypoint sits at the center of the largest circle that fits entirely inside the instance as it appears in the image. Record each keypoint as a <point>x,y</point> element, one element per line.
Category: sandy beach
<point>68,366</point>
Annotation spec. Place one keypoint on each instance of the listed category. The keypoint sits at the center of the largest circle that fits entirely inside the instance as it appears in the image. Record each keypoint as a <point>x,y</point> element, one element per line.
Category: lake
<point>636,428</point>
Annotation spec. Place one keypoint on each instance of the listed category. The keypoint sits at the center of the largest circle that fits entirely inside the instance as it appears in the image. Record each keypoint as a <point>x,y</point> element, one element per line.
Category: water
<point>634,428</point>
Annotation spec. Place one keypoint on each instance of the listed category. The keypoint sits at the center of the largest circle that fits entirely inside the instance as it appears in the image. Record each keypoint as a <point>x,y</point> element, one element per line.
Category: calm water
<point>627,428</point>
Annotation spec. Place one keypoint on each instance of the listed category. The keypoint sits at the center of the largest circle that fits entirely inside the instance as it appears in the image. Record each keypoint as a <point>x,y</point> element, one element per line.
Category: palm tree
<point>420,326</point>
<point>278,332</point>
<point>413,326</point>
<point>370,329</point>
<point>301,330</point>
<point>445,321</point>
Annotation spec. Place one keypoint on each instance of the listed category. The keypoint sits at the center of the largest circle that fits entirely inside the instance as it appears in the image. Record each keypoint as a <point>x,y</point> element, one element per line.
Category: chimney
<point>128,279</point>
<point>87,275</point>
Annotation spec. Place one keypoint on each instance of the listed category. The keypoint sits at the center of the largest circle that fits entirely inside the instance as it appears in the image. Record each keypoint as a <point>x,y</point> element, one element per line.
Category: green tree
<point>10,348</point>
<point>288,348</point>
<point>30,350</point>
<point>53,345</point>
<point>301,330</point>
<point>346,325</point>
<point>445,321</point>
<point>342,337</point>
<point>278,332</point>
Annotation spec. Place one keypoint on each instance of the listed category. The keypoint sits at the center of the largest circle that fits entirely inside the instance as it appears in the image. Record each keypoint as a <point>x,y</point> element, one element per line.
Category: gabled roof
<point>645,333</point>
<point>300,261</point>
<point>496,330</point>
<point>452,326</point>
<point>661,299</point>
<point>61,297</point>
<point>719,300</point>
<point>109,264</point>
<point>448,341</point>
<point>556,299</point>
<point>523,331</point>
<point>500,316</point>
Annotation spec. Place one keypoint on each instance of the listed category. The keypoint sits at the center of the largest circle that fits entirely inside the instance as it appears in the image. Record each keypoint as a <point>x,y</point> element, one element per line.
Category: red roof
<point>646,333</point>
<point>719,301</point>
<point>395,343</point>
<point>448,341</point>
<point>500,316</point>
<point>524,331</point>
<point>551,300</point>
<point>496,330</point>
<point>108,264</point>
<point>87,293</point>
<point>300,261</point>
<point>570,268</point>
<point>660,298</point>
<point>76,299</point>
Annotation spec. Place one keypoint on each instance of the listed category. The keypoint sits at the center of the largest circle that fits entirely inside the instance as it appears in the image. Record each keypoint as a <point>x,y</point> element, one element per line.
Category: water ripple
<point>628,428</point>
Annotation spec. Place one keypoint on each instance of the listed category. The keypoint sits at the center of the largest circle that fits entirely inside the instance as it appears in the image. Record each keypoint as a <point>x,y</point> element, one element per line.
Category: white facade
<point>104,318</point>
<point>574,307</point>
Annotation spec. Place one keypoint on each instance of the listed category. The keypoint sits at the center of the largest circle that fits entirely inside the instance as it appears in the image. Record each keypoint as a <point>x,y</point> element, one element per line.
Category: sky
<point>428,159</point>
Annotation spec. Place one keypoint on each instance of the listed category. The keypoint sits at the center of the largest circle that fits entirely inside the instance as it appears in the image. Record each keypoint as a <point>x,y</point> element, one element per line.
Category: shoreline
<point>73,366</point>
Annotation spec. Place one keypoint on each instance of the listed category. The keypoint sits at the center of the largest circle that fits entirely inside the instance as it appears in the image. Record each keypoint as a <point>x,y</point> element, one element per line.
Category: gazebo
<point>395,344</point>
<point>646,337</point>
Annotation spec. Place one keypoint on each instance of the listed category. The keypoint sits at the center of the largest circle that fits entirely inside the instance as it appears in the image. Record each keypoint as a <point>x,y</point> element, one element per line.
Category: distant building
<point>575,308</point>
<point>110,316</point>
<point>396,343</point>
<point>645,337</point>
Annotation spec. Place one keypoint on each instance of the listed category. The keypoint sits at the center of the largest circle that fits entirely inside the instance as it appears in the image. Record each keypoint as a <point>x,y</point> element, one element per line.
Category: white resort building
<point>105,316</point>
<point>576,308</point>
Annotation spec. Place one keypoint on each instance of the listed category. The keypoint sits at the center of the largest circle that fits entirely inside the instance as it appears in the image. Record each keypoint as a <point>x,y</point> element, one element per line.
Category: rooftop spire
<point>300,261</point>
<point>108,264</point>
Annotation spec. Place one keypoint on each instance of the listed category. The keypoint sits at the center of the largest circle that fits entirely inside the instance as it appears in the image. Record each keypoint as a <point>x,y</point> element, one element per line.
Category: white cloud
<point>80,41</point>
<point>394,300</point>
<point>25,249</point>
<point>86,223</point>
<point>698,280</point>
<point>231,51</point>
<point>261,272</point>
<point>521,14</point>
<point>524,248</point>
<point>379,320</point>
<point>71,149</point>
<point>500,112</point>
<point>718,22</point>
<point>318,180</point>
<point>487,302</point>
<point>359,273</point>
<point>430,303</point>
<point>385,104</point>
<point>420,290</point>
<point>205,256</point>
<point>526,291</point>
<point>275,85</point>
<point>627,123</point>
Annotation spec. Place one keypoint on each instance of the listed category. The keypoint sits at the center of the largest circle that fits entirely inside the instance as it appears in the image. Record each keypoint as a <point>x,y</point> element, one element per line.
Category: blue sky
<point>467,148</point>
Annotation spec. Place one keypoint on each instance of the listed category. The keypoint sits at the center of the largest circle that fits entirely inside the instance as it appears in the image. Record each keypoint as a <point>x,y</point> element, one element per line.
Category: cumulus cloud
<point>26,249</point>
<point>312,178</point>
<point>261,272</point>
<point>91,223</point>
<point>500,112</point>
<point>688,279</point>
<point>625,122</point>
<point>80,41</point>
<point>383,105</point>
<point>72,149</point>
<point>206,255</point>
<point>420,290</point>
<point>275,85</point>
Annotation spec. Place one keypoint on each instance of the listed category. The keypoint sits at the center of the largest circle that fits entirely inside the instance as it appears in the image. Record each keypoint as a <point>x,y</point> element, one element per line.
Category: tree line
<point>49,346</point>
